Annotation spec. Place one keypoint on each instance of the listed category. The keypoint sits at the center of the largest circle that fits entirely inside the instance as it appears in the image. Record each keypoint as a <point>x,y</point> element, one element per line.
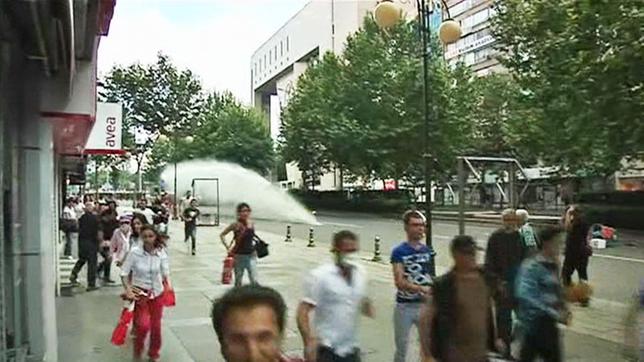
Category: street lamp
<point>387,14</point>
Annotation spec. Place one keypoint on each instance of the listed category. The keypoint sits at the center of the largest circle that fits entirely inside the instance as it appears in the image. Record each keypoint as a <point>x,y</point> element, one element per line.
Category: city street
<point>614,272</point>
<point>86,320</point>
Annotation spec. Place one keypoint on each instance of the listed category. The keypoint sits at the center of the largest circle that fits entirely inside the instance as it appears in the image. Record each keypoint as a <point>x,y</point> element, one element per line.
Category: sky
<point>213,38</point>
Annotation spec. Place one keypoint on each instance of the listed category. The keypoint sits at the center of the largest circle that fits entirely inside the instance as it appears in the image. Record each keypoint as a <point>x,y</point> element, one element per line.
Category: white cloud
<point>213,38</point>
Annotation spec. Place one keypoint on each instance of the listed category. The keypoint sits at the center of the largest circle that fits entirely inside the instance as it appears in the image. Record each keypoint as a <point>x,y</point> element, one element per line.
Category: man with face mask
<point>337,292</point>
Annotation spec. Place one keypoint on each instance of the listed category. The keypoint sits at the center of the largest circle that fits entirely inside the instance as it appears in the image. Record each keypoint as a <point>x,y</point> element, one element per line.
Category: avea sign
<point>106,134</point>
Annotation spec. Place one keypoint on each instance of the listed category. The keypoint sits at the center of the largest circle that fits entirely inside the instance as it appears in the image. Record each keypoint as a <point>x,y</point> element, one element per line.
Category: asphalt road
<point>615,273</point>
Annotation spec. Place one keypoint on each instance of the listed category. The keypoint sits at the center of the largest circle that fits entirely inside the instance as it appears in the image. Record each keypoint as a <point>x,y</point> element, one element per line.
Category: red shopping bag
<point>169,299</point>
<point>120,332</point>
<point>227,272</point>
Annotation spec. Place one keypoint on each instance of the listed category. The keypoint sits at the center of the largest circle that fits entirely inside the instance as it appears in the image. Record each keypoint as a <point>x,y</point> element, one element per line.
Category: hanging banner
<point>105,138</point>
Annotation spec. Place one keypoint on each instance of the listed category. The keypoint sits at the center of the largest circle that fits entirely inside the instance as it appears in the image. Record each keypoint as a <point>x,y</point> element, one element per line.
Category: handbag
<point>261,247</point>
<point>68,225</point>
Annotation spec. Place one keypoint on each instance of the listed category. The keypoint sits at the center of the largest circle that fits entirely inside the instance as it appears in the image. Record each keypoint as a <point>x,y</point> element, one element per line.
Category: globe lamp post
<point>387,14</point>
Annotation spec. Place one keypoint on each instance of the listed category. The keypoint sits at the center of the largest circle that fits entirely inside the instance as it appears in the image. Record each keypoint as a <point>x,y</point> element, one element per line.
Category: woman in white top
<point>145,272</point>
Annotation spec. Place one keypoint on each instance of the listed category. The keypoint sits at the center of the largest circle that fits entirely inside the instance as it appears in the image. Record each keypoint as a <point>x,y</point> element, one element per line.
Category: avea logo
<point>110,132</point>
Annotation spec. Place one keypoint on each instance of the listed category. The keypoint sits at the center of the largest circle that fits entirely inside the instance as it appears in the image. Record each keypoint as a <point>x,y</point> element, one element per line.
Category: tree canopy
<point>579,63</point>
<point>363,110</point>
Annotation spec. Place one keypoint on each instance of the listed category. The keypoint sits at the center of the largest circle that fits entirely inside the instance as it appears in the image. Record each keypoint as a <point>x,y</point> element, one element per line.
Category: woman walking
<point>138,221</point>
<point>242,247</point>
<point>120,242</point>
<point>145,273</point>
<point>578,251</point>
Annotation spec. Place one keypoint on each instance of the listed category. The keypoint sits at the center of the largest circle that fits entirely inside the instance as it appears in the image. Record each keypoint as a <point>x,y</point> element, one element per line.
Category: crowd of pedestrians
<point>515,298</point>
<point>510,306</point>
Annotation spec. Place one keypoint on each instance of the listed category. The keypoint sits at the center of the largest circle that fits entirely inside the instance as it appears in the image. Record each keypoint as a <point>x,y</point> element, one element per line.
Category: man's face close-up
<point>251,334</point>
<point>415,228</point>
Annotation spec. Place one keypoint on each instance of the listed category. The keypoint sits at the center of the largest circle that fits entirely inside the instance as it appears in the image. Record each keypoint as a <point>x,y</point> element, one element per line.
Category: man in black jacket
<point>108,223</point>
<point>503,257</point>
<point>88,240</point>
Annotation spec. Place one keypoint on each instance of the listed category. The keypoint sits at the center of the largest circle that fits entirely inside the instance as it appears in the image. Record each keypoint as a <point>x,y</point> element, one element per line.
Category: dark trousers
<point>542,340</point>
<point>106,264</point>
<point>89,257</point>
<point>504,321</point>
<point>569,267</point>
<point>190,231</point>
<point>326,354</point>
<point>68,243</point>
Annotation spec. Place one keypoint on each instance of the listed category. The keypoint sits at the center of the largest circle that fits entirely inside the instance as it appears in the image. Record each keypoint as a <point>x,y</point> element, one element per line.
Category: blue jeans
<point>405,316</point>
<point>245,262</point>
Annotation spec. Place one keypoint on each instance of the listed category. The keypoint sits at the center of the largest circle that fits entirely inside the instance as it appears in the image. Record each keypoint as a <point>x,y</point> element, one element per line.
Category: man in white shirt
<point>337,292</point>
<point>143,208</point>
<point>69,225</point>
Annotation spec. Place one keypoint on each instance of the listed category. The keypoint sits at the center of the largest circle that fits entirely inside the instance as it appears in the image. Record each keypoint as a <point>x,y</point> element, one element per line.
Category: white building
<point>476,46</point>
<point>320,26</point>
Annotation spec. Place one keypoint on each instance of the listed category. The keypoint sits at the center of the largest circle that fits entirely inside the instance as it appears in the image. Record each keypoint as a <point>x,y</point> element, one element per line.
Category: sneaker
<point>92,288</point>
<point>74,280</point>
<point>108,281</point>
<point>193,252</point>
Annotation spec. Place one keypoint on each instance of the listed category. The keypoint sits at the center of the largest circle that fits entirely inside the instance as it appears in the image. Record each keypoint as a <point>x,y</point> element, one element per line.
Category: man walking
<point>109,223</point>
<point>88,239</point>
<point>411,268</point>
<point>145,210</point>
<point>540,299</point>
<point>528,235</point>
<point>457,324</point>
<point>504,254</point>
<point>190,215</point>
<point>337,294</point>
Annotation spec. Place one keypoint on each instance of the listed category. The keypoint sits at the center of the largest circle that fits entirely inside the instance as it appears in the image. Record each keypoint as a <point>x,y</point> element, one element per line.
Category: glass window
<point>460,8</point>
<point>275,52</point>
<point>270,57</point>
<point>281,47</point>
<point>287,44</point>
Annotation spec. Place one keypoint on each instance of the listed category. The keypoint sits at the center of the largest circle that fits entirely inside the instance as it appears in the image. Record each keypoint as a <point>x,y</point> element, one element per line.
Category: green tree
<point>229,131</point>
<point>226,131</point>
<point>157,98</point>
<point>579,63</point>
<point>364,110</point>
<point>307,115</point>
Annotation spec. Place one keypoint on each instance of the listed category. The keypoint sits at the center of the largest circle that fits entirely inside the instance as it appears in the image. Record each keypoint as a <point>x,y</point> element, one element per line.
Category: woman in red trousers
<point>145,272</point>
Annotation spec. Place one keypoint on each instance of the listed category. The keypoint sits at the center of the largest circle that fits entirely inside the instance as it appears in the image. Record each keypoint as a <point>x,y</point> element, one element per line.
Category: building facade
<point>47,109</point>
<point>476,46</point>
<point>320,26</point>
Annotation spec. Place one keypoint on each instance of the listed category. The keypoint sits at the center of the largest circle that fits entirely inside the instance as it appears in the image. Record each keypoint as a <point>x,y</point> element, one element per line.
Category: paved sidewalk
<point>86,320</point>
